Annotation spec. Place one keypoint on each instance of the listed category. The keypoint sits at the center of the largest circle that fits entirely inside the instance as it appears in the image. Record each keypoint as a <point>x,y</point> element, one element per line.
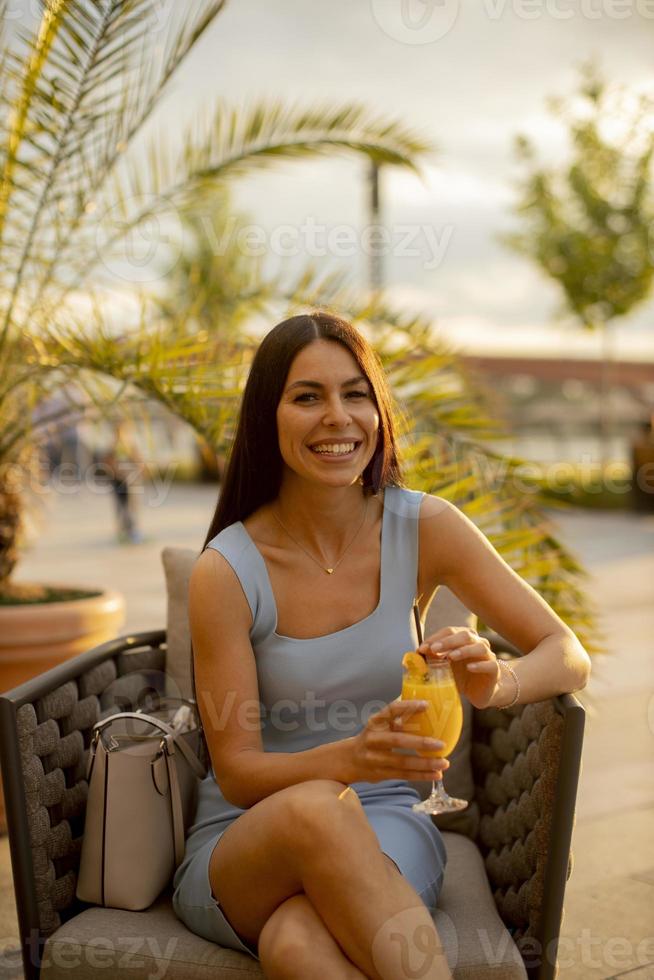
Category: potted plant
<point>74,98</point>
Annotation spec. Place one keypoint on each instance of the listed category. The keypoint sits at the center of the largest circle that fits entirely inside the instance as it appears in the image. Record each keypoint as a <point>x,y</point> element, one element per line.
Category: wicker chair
<point>514,859</point>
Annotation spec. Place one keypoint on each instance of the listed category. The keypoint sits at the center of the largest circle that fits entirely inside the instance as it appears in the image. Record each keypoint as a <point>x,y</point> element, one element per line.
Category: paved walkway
<point>608,929</point>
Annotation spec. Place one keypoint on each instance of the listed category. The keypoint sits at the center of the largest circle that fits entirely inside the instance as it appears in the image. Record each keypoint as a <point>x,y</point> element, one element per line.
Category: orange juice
<point>443,716</point>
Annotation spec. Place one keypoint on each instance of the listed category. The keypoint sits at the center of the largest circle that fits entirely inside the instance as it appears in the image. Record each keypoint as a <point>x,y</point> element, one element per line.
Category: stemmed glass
<point>442,719</point>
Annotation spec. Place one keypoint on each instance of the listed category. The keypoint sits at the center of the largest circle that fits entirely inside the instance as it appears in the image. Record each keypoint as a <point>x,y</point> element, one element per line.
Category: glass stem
<point>437,794</point>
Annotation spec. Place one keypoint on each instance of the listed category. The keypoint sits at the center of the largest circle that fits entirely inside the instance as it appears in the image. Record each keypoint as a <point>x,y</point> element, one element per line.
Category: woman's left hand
<point>474,665</point>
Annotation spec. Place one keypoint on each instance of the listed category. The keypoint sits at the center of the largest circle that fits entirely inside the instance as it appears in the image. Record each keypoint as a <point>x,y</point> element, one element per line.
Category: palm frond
<point>235,142</point>
<point>20,123</point>
<point>142,92</point>
<point>197,377</point>
<point>89,101</point>
<point>4,57</point>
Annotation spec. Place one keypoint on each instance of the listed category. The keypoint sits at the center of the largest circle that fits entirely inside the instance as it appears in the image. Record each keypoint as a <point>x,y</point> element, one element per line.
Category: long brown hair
<point>254,471</point>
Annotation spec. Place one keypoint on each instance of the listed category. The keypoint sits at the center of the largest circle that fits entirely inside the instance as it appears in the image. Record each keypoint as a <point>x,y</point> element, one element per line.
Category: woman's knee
<point>302,801</point>
<point>321,814</point>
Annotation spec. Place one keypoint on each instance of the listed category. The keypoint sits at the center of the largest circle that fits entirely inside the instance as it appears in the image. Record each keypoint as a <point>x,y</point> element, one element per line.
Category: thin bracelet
<point>503,707</point>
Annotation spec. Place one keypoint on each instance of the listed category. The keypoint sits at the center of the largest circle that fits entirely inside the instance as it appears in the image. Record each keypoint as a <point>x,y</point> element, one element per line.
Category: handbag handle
<point>171,734</point>
<point>171,740</point>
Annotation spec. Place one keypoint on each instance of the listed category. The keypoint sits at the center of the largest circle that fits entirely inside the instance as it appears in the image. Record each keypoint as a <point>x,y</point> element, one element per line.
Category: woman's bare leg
<point>295,944</point>
<point>373,912</point>
<point>306,839</point>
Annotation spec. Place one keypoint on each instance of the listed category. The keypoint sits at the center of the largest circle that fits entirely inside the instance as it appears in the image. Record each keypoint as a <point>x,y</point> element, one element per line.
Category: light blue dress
<point>321,690</point>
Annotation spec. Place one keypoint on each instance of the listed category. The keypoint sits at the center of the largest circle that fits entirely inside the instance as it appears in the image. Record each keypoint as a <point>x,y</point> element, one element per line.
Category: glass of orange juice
<point>434,683</point>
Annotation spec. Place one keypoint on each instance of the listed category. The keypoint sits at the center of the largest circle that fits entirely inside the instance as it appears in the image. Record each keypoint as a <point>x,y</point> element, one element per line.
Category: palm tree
<point>442,411</point>
<point>79,174</point>
<point>76,94</point>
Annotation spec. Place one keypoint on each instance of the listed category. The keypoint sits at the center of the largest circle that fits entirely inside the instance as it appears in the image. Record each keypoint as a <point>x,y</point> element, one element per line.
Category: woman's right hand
<point>370,753</point>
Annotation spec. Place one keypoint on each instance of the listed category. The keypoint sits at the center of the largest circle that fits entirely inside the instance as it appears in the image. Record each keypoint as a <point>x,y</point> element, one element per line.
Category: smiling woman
<point>336,424</point>
<point>303,599</point>
<point>292,376</point>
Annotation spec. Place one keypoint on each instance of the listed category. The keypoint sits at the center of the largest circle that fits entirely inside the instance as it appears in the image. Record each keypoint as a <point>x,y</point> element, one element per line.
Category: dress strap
<point>401,554</point>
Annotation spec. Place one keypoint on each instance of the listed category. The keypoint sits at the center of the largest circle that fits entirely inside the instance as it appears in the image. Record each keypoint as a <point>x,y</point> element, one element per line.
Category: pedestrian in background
<point>124,464</point>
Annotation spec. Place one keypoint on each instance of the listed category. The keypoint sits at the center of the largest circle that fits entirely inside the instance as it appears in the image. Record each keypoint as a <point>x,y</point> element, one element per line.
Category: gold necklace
<point>331,570</point>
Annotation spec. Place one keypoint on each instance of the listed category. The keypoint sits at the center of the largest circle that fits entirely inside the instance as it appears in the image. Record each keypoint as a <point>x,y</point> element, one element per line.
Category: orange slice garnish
<point>414,662</point>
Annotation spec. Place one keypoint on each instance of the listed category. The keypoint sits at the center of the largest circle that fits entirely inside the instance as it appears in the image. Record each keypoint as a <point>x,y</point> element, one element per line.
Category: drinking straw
<point>416,616</point>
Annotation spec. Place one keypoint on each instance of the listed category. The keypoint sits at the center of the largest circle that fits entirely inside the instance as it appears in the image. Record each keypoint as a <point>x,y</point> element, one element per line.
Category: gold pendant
<point>329,570</point>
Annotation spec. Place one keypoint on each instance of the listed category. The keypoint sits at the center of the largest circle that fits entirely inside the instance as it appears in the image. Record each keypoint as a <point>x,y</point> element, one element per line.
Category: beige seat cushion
<point>143,945</point>
<point>445,610</point>
<point>178,564</point>
<point>139,946</point>
<point>477,943</point>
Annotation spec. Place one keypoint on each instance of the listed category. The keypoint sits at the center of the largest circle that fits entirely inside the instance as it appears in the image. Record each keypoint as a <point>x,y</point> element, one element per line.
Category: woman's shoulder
<point>417,502</point>
<point>227,548</point>
<point>430,503</point>
<point>223,565</point>
<point>417,505</point>
<point>225,538</point>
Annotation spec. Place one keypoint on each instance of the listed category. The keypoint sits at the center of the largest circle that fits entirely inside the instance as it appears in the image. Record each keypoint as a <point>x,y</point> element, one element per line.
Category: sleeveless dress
<point>319,690</point>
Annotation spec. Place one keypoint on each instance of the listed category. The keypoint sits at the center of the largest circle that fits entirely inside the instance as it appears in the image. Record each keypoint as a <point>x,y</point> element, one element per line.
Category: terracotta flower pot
<point>37,636</point>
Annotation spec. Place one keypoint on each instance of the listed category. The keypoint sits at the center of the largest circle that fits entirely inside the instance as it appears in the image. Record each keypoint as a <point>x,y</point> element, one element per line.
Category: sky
<point>468,75</point>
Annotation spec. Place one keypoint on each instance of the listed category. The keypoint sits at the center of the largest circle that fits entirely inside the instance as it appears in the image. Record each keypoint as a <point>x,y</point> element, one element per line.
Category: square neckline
<point>346,629</point>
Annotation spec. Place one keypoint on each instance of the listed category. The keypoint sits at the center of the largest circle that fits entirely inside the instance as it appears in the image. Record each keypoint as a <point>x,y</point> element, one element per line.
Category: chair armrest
<point>45,732</point>
<point>526,763</point>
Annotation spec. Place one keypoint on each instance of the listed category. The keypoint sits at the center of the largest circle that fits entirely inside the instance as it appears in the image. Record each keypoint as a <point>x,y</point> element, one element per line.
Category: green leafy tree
<point>588,223</point>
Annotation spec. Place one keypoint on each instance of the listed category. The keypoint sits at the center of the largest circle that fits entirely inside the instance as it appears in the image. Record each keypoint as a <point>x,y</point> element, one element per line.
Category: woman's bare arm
<point>456,554</point>
<point>228,694</point>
